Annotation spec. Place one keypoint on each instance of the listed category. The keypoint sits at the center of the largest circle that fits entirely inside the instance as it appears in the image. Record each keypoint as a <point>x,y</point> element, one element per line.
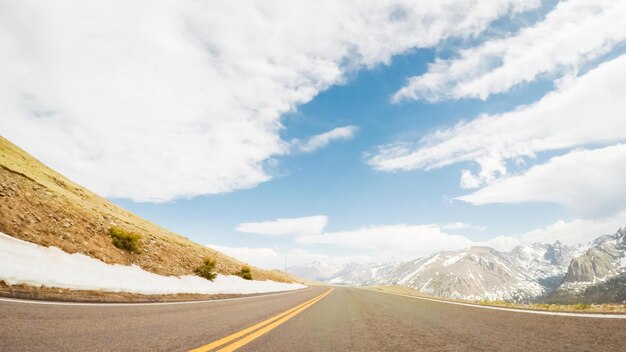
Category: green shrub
<point>126,240</point>
<point>206,270</point>
<point>245,272</point>
<point>581,306</point>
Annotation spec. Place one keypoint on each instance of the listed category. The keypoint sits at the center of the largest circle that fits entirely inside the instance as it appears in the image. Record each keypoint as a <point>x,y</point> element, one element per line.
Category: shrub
<point>126,240</point>
<point>581,306</point>
<point>206,270</point>
<point>245,272</point>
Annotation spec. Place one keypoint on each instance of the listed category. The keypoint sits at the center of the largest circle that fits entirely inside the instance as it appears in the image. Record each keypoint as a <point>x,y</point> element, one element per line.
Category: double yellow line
<point>252,333</point>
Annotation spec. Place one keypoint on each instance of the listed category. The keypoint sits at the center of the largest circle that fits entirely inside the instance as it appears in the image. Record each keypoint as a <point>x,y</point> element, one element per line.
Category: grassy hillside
<point>41,206</point>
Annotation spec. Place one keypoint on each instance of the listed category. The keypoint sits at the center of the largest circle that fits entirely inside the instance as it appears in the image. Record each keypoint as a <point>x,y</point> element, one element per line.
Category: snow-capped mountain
<point>362,274</point>
<point>545,263</point>
<point>346,274</point>
<point>317,270</point>
<point>539,271</point>
<point>477,273</point>
<point>604,259</point>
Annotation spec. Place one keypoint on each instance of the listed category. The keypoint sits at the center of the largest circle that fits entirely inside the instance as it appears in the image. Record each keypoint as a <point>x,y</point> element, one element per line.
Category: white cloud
<point>156,100</point>
<point>468,180</point>
<point>402,242</point>
<point>395,242</point>
<point>274,258</point>
<point>323,139</point>
<point>573,34</point>
<point>461,226</point>
<point>585,181</point>
<point>576,231</point>
<point>588,110</point>
<point>291,226</point>
<point>501,243</point>
<point>406,242</point>
<point>369,243</point>
<point>261,257</point>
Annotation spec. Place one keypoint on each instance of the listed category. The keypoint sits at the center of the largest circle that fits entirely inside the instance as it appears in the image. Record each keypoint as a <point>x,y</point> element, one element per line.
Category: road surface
<point>346,319</point>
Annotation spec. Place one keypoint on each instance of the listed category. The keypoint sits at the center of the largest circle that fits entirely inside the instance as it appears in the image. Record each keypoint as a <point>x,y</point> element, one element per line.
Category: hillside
<point>41,206</point>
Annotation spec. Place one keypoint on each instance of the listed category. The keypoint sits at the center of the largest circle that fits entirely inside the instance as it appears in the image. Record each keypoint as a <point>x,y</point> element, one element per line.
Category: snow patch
<point>453,259</point>
<point>421,267</point>
<point>622,262</point>
<point>27,263</point>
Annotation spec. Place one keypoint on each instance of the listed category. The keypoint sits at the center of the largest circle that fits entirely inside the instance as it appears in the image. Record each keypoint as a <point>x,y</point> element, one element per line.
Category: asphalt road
<point>348,319</point>
<point>141,327</point>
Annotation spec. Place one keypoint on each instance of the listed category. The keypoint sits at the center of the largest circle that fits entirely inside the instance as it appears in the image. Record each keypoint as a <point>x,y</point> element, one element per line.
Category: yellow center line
<point>255,335</point>
<point>284,316</point>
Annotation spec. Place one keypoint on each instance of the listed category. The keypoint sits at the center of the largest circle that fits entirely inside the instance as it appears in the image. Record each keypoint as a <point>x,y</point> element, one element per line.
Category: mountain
<point>316,270</point>
<point>362,274</point>
<point>478,273</point>
<point>555,273</point>
<point>346,274</point>
<point>599,273</point>
<point>523,274</point>
<point>41,206</point>
<point>545,263</point>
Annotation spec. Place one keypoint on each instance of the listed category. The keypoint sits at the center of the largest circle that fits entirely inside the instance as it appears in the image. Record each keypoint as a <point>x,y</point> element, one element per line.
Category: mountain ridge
<point>538,272</point>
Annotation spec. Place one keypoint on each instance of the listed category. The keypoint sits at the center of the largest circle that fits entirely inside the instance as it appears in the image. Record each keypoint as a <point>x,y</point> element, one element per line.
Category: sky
<point>333,131</point>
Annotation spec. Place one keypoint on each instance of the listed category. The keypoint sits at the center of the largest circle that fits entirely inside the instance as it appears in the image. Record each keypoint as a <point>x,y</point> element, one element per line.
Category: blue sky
<point>326,133</point>
<point>336,180</point>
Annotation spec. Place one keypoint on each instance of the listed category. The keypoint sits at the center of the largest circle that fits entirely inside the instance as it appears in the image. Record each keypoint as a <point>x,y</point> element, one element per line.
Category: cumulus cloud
<point>157,100</point>
<point>573,34</point>
<point>469,180</point>
<point>274,258</point>
<point>396,242</point>
<point>281,227</point>
<point>401,242</point>
<point>406,242</point>
<point>368,243</point>
<point>261,257</point>
<point>576,231</point>
<point>321,140</point>
<point>585,181</point>
<point>589,110</point>
<point>501,243</point>
<point>461,226</point>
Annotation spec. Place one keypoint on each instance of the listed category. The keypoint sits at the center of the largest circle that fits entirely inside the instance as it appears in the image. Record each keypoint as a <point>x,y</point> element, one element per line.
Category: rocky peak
<point>600,262</point>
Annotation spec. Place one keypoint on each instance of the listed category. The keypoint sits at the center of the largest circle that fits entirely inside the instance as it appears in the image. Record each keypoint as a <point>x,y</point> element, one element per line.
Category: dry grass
<point>41,206</point>
<point>578,307</point>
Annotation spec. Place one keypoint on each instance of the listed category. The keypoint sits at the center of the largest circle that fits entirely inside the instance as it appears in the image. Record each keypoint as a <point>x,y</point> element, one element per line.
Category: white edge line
<point>105,304</point>
<point>529,311</point>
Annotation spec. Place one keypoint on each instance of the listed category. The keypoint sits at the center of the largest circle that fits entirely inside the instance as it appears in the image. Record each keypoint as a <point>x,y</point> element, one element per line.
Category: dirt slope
<point>41,206</point>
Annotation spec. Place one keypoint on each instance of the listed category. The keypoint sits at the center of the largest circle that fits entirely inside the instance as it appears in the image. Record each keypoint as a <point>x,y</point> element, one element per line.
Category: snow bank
<point>27,263</point>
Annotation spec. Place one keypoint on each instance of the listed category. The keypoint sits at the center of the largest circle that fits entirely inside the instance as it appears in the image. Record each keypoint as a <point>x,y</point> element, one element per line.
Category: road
<point>346,319</point>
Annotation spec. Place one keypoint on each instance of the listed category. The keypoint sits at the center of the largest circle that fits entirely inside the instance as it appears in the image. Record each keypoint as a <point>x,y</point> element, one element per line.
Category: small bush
<point>126,240</point>
<point>245,272</point>
<point>581,306</point>
<point>206,270</point>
